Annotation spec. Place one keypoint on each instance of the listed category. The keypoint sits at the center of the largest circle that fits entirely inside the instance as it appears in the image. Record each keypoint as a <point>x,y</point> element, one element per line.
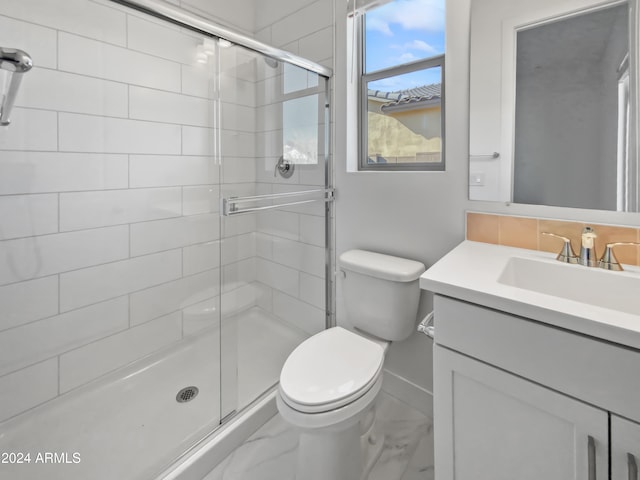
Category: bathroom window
<point>400,46</point>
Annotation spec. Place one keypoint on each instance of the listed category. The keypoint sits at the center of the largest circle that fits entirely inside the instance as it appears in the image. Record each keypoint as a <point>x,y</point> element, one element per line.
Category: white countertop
<point>470,272</point>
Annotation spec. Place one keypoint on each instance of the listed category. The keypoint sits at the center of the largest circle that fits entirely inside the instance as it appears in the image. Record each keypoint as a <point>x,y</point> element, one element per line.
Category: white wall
<point>249,16</point>
<point>270,12</point>
<point>304,28</point>
<point>422,215</point>
<point>417,215</point>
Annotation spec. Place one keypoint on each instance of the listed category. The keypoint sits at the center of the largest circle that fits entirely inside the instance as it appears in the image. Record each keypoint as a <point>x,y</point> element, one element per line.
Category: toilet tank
<point>381,293</point>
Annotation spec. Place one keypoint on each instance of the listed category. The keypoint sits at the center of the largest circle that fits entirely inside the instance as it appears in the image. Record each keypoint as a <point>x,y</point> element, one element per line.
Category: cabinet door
<point>625,449</point>
<point>493,425</point>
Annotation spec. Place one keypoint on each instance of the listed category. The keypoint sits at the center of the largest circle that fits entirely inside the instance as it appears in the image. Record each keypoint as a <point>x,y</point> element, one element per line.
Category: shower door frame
<point>171,13</point>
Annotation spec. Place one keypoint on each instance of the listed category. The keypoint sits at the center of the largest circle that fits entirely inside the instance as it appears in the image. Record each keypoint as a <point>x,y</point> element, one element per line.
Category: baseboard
<point>206,456</point>
<point>408,392</point>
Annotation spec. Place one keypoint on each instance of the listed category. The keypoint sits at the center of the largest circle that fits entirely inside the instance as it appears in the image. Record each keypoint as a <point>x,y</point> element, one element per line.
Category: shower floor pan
<point>128,425</point>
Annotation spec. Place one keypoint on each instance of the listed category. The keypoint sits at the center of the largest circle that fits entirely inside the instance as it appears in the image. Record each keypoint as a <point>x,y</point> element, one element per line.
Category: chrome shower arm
<point>16,62</point>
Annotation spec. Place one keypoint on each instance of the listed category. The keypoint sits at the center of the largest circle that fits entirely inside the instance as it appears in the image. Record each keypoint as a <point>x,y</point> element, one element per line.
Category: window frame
<point>363,124</point>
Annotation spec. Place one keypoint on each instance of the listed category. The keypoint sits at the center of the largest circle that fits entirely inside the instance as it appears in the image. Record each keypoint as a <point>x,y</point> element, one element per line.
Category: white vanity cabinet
<point>625,449</point>
<point>492,425</point>
<point>518,399</point>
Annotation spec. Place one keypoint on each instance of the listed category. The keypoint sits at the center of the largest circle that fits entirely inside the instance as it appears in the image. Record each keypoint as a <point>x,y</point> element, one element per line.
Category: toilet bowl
<point>330,382</point>
<point>327,387</point>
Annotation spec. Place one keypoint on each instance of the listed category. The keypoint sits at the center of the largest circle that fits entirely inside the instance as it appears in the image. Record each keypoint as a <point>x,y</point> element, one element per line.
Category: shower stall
<point>165,233</point>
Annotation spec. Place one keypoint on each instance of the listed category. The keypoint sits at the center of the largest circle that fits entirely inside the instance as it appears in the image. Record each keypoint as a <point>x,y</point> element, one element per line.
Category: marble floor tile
<point>421,464</point>
<point>270,453</point>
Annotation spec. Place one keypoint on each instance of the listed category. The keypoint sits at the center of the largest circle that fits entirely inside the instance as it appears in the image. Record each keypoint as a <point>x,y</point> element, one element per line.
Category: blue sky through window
<point>404,31</point>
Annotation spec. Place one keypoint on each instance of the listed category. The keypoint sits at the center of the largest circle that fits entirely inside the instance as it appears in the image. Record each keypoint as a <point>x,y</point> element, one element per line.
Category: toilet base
<point>330,445</point>
<point>330,455</point>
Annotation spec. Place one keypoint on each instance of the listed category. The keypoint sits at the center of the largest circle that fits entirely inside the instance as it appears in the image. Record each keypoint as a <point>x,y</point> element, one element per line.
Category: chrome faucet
<point>588,256</point>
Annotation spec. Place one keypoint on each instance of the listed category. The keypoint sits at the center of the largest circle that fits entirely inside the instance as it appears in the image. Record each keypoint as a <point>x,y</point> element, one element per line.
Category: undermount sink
<point>592,286</point>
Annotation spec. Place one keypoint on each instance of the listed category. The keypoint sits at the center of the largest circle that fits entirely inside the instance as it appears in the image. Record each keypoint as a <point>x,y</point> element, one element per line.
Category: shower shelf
<point>234,205</point>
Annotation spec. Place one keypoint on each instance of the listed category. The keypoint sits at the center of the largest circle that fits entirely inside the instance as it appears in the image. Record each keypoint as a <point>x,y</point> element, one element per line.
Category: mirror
<point>553,103</point>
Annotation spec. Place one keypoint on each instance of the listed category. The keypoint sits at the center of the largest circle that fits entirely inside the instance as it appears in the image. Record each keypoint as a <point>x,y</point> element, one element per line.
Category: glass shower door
<point>109,242</point>
<point>274,175</point>
<point>136,314</point>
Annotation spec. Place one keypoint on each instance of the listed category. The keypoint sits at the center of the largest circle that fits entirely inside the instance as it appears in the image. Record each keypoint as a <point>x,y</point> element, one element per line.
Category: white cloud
<point>379,25</point>
<point>409,14</point>
<point>421,46</point>
<point>391,84</point>
<point>407,57</point>
<point>396,84</point>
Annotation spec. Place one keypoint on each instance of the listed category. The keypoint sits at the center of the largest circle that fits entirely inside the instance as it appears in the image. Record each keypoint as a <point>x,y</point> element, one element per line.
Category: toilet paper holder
<point>426,325</point>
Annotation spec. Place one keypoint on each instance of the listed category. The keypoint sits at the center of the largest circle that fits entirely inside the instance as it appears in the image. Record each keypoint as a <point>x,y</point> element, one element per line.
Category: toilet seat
<point>329,370</point>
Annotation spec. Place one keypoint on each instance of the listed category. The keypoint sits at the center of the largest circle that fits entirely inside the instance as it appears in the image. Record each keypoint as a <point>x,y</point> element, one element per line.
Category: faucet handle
<point>566,255</point>
<point>609,260</point>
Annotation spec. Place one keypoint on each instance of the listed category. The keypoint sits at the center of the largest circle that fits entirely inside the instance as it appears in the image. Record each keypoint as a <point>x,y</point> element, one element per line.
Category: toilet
<point>330,382</point>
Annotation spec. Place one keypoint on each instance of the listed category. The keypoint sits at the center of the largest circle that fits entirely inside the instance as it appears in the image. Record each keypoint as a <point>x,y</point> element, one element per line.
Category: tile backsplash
<point>526,232</point>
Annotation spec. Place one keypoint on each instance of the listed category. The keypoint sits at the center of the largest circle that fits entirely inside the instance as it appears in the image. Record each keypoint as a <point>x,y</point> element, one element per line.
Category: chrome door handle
<point>632,466</point>
<point>591,452</point>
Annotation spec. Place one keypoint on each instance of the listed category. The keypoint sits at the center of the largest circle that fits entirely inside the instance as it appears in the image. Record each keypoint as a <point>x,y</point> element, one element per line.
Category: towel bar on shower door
<point>234,205</point>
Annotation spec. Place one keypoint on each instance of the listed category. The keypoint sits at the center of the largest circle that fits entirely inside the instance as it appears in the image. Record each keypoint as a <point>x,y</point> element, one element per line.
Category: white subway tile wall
<point>28,387</point>
<point>41,172</point>
<point>174,296</point>
<point>46,338</point>
<point>110,280</point>
<point>111,243</point>
<point>28,215</point>
<point>32,257</point>
<point>108,195</point>
<point>201,199</point>
<point>39,41</point>
<point>86,363</point>
<point>19,307</point>
<point>30,130</point>
<point>85,18</point>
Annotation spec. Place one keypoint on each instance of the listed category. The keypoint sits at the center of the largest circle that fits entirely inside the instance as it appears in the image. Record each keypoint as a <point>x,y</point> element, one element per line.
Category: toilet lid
<point>331,367</point>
